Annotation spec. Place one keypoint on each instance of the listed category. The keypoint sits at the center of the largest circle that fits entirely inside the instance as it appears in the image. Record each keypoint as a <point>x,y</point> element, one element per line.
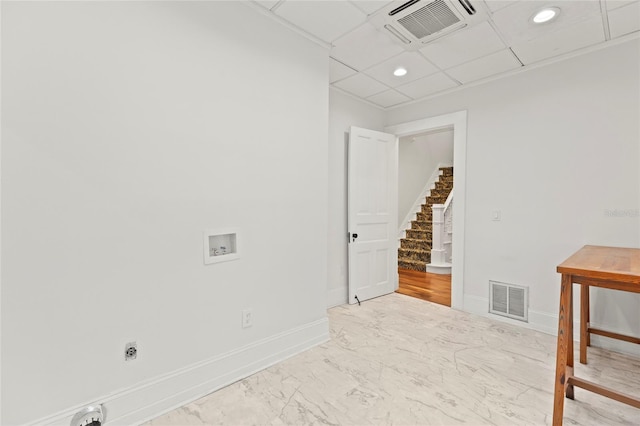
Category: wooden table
<point>606,267</point>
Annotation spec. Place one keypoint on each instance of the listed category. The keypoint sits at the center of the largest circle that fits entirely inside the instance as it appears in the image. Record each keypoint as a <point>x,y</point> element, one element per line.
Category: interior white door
<point>373,212</point>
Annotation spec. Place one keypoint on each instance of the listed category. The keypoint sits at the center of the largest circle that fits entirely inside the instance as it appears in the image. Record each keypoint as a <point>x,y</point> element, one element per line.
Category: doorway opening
<point>425,183</point>
<point>457,122</point>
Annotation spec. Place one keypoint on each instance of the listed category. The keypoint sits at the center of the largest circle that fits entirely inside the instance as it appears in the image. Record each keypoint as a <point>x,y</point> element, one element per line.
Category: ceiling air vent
<point>429,19</point>
<point>417,22</point>
<point>468,7</point>
<point>403,7</point>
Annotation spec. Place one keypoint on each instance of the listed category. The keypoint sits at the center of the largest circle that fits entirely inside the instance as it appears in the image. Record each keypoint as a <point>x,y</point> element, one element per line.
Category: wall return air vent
<point>417,22</point>
<point>509,300</point>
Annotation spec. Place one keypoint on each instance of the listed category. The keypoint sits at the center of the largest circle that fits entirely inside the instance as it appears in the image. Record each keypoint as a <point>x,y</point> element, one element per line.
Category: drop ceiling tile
<point>514,22</point>
<point>561,41</point>
<point>364,47</point>
<point>370,6</point>
<point>388,98</point>
<point>361,85</point>
<point>326,20</point>
<point>463,46</point>
<point>427,86</point>
<point>416,66</point>
<point>267,3</point>
<point>484,67</point>
<point>624,20</point>
<point>614,4</point>
<point>495,5</point>
<point>338,71</point>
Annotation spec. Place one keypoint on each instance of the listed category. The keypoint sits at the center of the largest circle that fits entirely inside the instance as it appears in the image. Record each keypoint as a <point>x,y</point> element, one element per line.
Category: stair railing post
<point>437,250</point>
<point>448,228</point>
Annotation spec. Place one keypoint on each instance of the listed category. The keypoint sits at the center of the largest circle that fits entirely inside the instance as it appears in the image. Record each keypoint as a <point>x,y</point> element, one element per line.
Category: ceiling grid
<point>500,39</point>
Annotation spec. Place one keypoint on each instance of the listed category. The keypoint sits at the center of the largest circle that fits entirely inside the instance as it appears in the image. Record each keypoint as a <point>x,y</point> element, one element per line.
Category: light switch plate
<point>247,318</point>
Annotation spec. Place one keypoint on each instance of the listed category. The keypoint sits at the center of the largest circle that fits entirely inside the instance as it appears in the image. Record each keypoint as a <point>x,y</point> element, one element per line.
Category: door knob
<point>354,236</point>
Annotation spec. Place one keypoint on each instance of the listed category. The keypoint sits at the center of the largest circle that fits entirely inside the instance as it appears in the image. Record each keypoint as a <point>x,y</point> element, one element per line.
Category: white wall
<point>418,157</point>
<point>553,148</point>
<point>344,112</point>
<point>128,129</point>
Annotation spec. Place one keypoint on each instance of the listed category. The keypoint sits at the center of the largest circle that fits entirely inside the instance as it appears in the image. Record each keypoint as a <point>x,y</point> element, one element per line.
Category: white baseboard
<point>548,323</point>
<point>337,297</point>
<point>444,269</point>
<point>613,344</point>
<point>153,398</point>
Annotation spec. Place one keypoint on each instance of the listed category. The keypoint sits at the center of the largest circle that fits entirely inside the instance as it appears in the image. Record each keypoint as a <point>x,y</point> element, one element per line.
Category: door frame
<point>457,120</point>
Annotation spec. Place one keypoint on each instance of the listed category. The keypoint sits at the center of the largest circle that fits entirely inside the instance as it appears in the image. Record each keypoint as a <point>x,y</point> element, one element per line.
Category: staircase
<point>415,249</point>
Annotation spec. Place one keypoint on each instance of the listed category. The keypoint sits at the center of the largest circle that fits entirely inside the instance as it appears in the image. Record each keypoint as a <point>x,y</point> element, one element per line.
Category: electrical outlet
<point>130,351</point>
<point>247,318</point>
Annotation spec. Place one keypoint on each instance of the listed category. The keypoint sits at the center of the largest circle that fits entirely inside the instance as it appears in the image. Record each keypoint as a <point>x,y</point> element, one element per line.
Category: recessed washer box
<point>220,245</point>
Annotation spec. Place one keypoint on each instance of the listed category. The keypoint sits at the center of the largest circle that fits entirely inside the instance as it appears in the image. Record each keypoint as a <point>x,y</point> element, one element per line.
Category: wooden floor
<point>434,288</point>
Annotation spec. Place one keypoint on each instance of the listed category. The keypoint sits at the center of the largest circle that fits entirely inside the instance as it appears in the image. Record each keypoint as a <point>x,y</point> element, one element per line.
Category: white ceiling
<point>500,40</point>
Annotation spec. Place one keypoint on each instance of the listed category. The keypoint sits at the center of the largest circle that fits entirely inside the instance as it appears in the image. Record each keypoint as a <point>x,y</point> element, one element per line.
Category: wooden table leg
<point>569,369</point>
<point>585,336</point>
<point>588,316</point>
<point>561,353</point>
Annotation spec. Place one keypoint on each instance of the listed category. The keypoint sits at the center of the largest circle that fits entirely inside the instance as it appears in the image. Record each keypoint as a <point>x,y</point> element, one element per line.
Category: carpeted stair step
<point>426,209</point>
<point>440,193</point>
<point>446,171</point>
<point>412,265</point>
<point>408,243</point>
<point>425,217</point>
<point>420,225</point>
<point>414,254</point>
<point>436,200</point>
<point>448,180</point>
<point>418,234</point>
<point>444,185</point>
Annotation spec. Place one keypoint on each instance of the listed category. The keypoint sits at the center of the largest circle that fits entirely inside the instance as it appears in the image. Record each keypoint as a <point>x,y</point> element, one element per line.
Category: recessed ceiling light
<point>545,15</point>
<point>399,72</point>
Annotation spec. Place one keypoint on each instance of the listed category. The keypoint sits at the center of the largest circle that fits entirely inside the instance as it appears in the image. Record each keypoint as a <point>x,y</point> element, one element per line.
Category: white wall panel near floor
<point>128,129</point>
<point>556,150</point>
<point>344,111</point>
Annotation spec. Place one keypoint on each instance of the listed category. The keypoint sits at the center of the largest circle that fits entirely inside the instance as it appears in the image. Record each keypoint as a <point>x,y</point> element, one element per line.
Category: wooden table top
<point>606,263</point>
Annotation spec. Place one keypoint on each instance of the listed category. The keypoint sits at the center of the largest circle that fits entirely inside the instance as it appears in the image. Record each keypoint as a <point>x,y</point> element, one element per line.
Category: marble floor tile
<point>397,360</point>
